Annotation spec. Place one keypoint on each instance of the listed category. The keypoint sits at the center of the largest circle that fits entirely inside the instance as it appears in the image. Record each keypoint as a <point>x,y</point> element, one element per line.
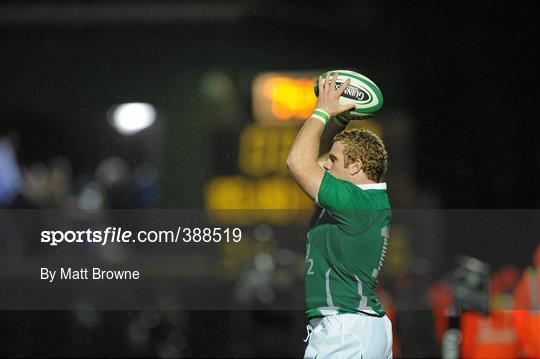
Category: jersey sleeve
<point>343,200</point>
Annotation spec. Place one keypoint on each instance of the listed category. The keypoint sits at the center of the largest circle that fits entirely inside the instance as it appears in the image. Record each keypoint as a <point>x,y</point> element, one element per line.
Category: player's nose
<point>327,165</point>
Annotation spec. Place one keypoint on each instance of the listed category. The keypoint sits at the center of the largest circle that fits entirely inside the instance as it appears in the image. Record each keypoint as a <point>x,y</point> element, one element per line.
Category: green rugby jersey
<point>346,246</point>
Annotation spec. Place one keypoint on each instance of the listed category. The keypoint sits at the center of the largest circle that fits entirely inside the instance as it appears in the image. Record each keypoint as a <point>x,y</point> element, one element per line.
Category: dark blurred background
<point>460,82</point>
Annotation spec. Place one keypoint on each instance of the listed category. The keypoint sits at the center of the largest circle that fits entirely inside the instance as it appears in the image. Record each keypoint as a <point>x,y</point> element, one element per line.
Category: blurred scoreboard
<point>262,191</point>
<point>264,150</point>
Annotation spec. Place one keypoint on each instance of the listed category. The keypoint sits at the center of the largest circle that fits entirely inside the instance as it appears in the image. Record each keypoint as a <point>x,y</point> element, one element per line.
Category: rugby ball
<point>361,91</point>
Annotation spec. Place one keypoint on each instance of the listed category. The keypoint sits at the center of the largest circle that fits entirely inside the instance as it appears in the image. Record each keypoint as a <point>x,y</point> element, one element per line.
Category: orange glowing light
<point>291,98</point>
<point>283,97</point>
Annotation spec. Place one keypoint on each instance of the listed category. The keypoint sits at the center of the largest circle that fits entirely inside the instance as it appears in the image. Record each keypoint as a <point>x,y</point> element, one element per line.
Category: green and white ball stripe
<point>362,91</point>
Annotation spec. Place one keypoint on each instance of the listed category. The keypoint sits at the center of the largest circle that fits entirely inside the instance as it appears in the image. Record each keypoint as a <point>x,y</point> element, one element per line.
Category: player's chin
<point>335,175</point>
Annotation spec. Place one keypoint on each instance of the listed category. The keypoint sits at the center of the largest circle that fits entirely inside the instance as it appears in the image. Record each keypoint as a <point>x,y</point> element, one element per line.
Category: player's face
<point>335,164</point>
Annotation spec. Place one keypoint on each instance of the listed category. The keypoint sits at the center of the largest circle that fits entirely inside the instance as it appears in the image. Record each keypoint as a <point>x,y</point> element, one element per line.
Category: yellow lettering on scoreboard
<point>264,150</point>
<point>240,200</point>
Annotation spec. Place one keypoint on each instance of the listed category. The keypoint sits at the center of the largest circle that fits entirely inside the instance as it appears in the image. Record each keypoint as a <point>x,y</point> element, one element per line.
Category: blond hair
<point>364,145</point>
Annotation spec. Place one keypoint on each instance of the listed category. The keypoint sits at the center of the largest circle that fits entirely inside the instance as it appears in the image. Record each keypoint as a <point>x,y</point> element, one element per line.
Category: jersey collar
<point>373,186</point>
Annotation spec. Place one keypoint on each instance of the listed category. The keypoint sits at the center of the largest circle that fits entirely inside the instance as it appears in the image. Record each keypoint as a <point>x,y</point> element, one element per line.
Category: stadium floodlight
<point>130,118</point>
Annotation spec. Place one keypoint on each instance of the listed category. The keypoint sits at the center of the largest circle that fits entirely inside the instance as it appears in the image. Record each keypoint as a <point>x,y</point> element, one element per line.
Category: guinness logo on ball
<point>355,93</point>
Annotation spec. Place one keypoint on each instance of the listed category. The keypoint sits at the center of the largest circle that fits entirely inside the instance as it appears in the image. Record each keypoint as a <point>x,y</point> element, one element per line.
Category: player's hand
<point>328,99</point>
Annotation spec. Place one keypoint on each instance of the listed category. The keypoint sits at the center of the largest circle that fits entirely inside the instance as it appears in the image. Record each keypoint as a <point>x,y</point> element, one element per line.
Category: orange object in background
<point>283,98</point>
<point>440,298</point>
<point>527,324</point>
<point>527,313</point>
<point>491,336</point>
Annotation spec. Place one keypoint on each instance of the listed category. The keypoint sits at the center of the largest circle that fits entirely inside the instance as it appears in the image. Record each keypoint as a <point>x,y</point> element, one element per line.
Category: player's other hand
<point>328,99</point>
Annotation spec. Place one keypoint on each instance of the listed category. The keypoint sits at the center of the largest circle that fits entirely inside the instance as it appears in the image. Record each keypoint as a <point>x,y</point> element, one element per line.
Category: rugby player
<point>348,236</point>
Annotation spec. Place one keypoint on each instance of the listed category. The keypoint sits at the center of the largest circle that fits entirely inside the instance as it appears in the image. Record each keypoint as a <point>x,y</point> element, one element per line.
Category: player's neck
<point>361,179</point>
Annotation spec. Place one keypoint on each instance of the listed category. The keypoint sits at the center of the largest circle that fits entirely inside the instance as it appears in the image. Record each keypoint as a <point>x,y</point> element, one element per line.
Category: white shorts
<point>349,336</point>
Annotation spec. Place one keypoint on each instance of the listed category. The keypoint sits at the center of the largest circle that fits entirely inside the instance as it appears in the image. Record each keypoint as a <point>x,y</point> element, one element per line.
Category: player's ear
<point>355,167</point>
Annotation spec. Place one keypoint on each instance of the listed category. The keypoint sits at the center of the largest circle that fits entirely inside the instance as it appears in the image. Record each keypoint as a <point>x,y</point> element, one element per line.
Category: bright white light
<point>130,118</point>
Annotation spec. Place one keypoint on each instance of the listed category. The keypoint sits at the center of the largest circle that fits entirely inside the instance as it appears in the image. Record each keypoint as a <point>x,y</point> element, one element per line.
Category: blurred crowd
<point>51,184</point>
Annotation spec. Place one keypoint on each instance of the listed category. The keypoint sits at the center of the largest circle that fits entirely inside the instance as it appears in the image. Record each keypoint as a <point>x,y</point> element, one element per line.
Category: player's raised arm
<point>331,129</point>
<point>302,159</point>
